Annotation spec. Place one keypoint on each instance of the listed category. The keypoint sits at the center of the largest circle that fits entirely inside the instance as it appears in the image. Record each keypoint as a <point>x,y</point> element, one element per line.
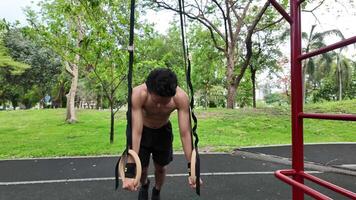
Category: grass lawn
<point>43,133</point>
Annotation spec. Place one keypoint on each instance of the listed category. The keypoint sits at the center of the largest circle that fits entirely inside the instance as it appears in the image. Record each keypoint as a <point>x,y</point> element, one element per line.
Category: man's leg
<point>144,179</point>
<point>160,175</point>
<point>162,156</point>
<point>145,184</point>
<point>144,155</point>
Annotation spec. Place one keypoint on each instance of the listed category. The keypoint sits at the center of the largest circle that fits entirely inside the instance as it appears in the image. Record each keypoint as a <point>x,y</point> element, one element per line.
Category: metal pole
<point>297,98</point>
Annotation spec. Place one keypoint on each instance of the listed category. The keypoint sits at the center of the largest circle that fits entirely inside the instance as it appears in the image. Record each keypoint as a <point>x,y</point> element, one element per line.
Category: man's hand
<point>192,182</point>
<point>129,181</point>
<point>129,184</point>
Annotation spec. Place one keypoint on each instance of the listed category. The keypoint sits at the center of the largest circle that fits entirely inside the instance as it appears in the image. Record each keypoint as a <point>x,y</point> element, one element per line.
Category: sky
<point>12,10</point>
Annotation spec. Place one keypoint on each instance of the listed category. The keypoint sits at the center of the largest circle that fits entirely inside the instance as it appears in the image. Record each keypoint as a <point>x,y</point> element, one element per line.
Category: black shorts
<point>157,142</point>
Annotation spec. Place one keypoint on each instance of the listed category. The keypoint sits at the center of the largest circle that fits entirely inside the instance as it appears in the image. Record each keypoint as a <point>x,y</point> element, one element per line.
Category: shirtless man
<point>152,104</point>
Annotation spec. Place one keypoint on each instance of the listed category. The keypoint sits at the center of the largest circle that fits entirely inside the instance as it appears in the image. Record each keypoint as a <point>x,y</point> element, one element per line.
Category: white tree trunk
<point>71,115</point>
<point>72,69</point>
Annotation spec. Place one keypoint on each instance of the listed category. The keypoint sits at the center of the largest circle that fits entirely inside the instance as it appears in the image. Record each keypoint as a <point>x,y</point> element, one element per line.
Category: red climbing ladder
<point>296,176</point>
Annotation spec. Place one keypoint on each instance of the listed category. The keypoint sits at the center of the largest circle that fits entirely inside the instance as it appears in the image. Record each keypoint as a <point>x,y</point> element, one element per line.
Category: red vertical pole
<point>297,98</point>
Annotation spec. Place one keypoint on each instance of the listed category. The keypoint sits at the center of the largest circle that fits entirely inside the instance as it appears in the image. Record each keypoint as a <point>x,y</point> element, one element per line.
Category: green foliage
<point>244,92</point>
<point>6,61</point>
<point>103,49</point>
<point>31,83</point>
<point>104,29</point>
<point>272,98</point>
<point>10,70</point>
<point>208,68</point>
<point>326,92</point>
<point>326,86</point>
<point>45,65</point>
<point>156,50</point>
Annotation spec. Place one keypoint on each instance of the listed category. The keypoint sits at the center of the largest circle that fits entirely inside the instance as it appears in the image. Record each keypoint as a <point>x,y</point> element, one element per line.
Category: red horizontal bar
<point>328,48</point>
<point>345,117</point>
<point>281,10</point>
<point>284,176</point>
<point>331,186</point>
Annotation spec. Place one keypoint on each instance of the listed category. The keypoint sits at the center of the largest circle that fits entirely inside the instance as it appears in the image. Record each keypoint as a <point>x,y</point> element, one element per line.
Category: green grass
<point>43,133</point>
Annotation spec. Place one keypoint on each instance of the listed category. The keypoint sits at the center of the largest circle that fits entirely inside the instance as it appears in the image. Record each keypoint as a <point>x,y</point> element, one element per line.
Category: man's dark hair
<point>162,81</point>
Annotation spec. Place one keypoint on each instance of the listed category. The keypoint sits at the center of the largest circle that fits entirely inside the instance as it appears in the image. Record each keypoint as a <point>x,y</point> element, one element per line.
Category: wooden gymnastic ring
<point>193,161</point>
<point>137,160</point>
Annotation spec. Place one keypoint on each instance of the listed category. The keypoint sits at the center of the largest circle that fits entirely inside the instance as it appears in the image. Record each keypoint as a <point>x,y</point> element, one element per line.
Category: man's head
<point>162,82</point>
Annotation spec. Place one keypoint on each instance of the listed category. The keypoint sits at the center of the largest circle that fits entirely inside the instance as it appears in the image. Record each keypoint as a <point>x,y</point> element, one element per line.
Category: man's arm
<point>185,129</point>
<point>136,119</point>
<point>184,123</point>
<point>137,99</point>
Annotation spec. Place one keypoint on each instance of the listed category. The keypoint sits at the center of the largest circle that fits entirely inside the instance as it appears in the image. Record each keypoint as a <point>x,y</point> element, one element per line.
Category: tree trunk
<point>339,74</point>
<point>60,95</point>
<point>98,101</point>
<point>112,122</point>
<point>71,115</point>
<point>14,104</point>
<point>231,88</point>
<point>232,80</point>
<point>57,102</point>
<point>253,79</point>
<point>340,84</point>
<point>304,83</point>
<point>231,96</point>
<point>206,97</point>
<point>304,66</point>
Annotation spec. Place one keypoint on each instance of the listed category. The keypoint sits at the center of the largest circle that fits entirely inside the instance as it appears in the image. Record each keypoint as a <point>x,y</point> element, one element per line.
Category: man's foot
<point>143,193</point>
<point>155,194</point>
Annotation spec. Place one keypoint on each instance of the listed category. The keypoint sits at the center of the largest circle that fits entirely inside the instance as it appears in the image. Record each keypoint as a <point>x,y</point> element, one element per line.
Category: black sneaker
<point>143,193</point>
<point>155,194</point>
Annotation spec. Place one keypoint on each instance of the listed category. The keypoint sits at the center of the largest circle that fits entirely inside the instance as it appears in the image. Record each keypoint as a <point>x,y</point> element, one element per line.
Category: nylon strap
<point>187,66</point>
<point>129,93</point>
<point>129,77</point>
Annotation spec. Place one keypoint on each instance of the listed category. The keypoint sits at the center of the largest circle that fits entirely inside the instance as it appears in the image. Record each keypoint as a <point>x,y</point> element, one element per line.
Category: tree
<point>351,91</point>
<point>106,37</point>
<point>343,73</point>
<point>315,41</point>
<point>157,50</point>
<point>10,70</point>
<point>59,90</point>
<point>5,58</point>
<point>39,79</point>
<point>265,56</point>
<point>208,67</point>
<point>58,25</point>
<point>231,25</point>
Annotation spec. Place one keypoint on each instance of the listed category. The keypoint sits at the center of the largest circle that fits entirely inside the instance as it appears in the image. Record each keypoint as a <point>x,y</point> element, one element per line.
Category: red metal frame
<point>298,174</point>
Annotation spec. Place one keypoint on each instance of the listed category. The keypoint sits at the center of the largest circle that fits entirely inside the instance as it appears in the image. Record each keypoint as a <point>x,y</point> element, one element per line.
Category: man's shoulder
<point>140,88</point>
<point>140,92</point>
<point>181,98</point>
<point>180,93</point>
